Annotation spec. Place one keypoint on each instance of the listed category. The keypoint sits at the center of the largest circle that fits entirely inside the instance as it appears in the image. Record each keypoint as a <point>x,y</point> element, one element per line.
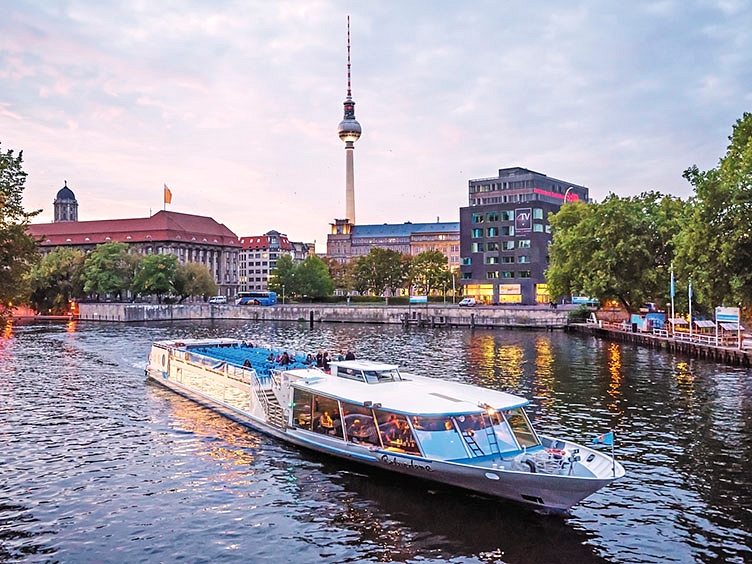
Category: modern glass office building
<point>504,235</point>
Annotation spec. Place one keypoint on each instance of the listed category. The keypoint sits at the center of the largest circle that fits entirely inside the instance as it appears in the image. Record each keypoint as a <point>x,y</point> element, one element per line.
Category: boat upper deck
<point>411,395</point>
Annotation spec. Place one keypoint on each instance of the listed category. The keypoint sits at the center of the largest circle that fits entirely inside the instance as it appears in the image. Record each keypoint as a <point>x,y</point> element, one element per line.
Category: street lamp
<point>283,294</point>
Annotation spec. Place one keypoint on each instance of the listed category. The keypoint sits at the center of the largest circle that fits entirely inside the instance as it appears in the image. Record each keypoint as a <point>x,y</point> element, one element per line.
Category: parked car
<point>468,302</point>
<point>218,300</point>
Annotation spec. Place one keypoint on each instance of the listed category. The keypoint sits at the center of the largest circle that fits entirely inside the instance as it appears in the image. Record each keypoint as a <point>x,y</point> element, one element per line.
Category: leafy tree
<point>57,279</point>
<point>342,273</point>
<point>381,270</point>
<point>429,271</point>
<point>621,248</point>
<point>18,250</point>
<point>109,269</point>
<point>714,247</point>
<point>284,275</point>
<point>193,279</point>
<point>155,275</point>
<point>312,278</point>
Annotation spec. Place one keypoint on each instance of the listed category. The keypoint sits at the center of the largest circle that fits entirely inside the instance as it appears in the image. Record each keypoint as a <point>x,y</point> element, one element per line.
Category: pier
<point>679,344</point>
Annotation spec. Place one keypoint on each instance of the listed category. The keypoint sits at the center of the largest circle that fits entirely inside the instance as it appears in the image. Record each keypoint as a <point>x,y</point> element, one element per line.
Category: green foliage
<point>342,273</point>
<point>429,271</point>
<point>18,250</point>
<point>109,269</point>
<point>57,279</point>
<point>381,270</point>
<point>621,248</point>
<point>193,279</point>
<point>312,278</point>
<point>715,244</point>
<point>283,275</point>
<point>154,275</point>
<point>579,315</point>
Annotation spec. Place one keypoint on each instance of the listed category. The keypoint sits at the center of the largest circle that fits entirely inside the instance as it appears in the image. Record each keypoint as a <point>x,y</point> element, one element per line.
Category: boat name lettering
<point>394,461</point>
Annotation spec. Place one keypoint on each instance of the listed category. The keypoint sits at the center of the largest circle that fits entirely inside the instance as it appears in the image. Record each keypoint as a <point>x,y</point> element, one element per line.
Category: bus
<point>256,298</point>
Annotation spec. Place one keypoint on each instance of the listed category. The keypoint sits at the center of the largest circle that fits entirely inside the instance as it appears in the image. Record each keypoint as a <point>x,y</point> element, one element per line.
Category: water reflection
<point>153,477</point>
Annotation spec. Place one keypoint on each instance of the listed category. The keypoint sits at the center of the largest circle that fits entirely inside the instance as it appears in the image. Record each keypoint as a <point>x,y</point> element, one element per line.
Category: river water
<point>97,465</point>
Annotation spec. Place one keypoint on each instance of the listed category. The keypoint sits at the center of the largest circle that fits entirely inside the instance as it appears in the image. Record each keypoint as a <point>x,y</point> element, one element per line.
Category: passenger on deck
<point>270,358</point>
<point>247,363</point>
<point>325,361</point>
<point>350,355</point>
<point>284,359</point>
<point>326,421</point>
<point>320,359</point>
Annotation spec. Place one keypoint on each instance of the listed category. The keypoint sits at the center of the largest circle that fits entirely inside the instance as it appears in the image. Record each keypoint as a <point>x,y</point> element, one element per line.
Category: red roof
<point>162,226</point>
<point>261,243</point>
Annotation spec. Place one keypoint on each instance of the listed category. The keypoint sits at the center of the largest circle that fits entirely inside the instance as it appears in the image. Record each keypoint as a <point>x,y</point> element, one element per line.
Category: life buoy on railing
<point>556,452</point>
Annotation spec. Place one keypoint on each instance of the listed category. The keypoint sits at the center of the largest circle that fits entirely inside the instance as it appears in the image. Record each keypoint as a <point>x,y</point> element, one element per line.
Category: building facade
<point>347,241</point>
<point>259,255</point>
<point>191,238</point>
<point>504,235</point>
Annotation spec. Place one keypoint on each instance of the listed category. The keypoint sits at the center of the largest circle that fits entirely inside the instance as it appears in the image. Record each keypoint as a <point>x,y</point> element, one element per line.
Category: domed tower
<point>349,131</point>
<point>66,206</point>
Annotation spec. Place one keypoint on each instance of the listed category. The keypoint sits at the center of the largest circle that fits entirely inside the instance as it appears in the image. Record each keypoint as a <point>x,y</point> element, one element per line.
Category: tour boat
<point>371,412</point>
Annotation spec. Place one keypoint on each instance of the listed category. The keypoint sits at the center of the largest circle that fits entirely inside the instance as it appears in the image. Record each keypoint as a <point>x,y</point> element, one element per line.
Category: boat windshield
<point>376,376</point>
<point>438,437</point>
<point>521,427</point>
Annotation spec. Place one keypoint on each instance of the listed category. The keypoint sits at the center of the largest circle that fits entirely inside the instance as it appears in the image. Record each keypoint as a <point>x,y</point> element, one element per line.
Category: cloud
<point>235,105</point>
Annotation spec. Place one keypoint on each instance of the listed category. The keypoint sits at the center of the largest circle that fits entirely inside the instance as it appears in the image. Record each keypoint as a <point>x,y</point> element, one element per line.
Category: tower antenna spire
<point>349,131</point>
<point>349,90</point>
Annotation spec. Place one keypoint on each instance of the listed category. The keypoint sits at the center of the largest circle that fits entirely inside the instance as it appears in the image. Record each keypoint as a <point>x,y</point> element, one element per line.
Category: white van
<point>218,300</point>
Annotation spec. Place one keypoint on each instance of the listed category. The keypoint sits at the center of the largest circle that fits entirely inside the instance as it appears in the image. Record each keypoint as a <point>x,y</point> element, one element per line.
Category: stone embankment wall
<point>433,315</point>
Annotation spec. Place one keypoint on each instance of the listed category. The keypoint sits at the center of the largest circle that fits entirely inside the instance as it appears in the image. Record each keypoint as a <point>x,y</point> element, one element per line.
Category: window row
<point>503,215</point>
<point>503,246</point>
<point>438,437</point>
<point>506,274</point>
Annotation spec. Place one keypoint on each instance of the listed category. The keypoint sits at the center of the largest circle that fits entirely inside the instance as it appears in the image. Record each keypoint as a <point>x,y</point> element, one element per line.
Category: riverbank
<point>424,315</point>
<point>728,355</point>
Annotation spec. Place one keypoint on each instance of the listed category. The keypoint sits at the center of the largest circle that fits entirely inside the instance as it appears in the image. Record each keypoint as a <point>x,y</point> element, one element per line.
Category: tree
<point>381,270</point>
<point>714,247</point>
<point>18,250</point>
<point>342,273</point>
<point>312,278</point>
<point>429,271</point>
<point>57,279</point>
<point>282,277</point>
<point>109,269</point>
<point>621,248</point>
<point>155,275</point>
<point>193,279</point>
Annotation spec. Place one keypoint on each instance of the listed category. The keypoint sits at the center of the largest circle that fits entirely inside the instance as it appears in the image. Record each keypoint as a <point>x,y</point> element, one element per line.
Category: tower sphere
<point>349,130</point>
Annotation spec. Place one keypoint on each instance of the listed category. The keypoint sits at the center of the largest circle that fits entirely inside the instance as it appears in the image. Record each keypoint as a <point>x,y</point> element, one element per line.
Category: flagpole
<point>690,308</point>
<point>672,299</point>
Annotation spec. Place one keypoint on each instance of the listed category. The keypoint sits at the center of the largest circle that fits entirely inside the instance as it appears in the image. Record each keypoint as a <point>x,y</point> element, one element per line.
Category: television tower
<point>349,131</point>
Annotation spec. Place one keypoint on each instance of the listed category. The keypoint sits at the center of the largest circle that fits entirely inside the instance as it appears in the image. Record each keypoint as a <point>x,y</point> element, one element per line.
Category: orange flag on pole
<point>167,195</point>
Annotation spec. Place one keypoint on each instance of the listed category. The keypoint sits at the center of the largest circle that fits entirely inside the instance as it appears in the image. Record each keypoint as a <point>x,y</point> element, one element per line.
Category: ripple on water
<point>98,465</point>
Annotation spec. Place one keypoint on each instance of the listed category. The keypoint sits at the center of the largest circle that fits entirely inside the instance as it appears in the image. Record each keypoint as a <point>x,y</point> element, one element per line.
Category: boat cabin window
<point>326,417</point>
<point>521,427</point>
<point>359,424</point>
<point>395,432</point>
<point>316,413</point>
<point>438,437</point>
<point>301,408</point>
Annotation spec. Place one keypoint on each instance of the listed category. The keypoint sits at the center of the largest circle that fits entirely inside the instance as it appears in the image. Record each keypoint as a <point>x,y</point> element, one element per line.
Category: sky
<point>234,105</point>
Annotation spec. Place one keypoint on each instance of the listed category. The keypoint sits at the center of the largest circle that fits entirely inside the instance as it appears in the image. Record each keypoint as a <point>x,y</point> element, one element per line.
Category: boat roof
<point>412,395</point>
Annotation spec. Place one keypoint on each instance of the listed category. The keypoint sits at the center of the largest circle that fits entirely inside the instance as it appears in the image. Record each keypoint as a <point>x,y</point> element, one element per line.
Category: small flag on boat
<point>605,439</point>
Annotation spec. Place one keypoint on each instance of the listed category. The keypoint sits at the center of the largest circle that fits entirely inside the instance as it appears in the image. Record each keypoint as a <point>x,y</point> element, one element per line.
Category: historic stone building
<point>191,238</point>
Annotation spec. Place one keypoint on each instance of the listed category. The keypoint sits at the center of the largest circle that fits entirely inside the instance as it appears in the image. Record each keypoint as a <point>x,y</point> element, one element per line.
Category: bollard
<point>472,320</point>
<point>310,317</point>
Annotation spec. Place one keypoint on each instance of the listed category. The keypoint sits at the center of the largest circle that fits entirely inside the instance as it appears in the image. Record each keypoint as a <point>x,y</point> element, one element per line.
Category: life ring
<point>556,452</point>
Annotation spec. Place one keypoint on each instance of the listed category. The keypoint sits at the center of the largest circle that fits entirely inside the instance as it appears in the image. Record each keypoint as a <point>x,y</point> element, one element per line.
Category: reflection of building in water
<point>615,376</point>
<point>543,383</point>
<point>498,365</point>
